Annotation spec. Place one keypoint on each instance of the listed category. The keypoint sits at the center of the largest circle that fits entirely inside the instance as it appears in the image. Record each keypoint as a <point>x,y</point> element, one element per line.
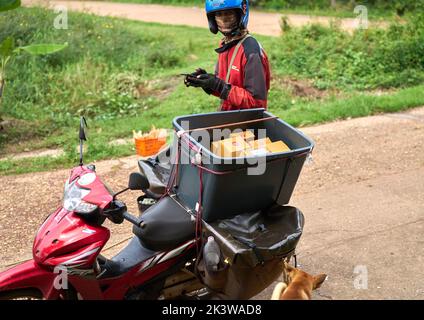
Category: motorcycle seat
<point>165,225</point>
<point>131,256</point>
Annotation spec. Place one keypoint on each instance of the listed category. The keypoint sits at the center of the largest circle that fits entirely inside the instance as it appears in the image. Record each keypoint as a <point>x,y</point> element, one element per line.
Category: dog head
<point>298,285</point>
<point>297,274</point>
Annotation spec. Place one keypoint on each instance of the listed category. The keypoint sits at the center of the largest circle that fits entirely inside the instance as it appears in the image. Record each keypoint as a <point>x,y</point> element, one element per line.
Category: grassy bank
<point>124,75</point>
<point>313,8</point>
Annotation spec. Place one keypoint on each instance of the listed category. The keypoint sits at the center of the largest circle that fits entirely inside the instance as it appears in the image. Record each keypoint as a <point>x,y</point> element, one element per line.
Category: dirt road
<point>363,200</point>
<point>260,22</point>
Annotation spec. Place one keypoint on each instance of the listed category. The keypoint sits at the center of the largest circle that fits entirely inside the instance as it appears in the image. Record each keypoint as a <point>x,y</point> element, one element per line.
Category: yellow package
<point>217,148</point>
<point>247,135</point>
<point>277,146</point>
<point>255,152</point>
<point>260,143</point>
<point>233,147</point>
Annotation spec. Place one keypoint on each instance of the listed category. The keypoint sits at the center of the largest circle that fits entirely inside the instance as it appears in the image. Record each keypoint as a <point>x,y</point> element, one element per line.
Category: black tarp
<point>254,246</point>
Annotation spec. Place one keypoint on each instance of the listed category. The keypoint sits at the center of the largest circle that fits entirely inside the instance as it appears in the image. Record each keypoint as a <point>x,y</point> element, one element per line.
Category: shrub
<point>80,79</point>
<point>365,60</point>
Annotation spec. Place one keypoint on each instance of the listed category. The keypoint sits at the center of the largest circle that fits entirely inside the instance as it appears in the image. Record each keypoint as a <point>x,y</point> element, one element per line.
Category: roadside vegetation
<point>124,75</point>
<point>377,9</point>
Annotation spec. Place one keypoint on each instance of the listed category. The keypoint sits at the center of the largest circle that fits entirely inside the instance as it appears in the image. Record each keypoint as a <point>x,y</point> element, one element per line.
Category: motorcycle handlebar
<point>152,195</point>
<point>134,220</point>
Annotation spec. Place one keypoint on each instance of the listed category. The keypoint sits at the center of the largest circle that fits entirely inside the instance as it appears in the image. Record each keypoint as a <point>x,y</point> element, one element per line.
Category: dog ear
<point>319,280</point>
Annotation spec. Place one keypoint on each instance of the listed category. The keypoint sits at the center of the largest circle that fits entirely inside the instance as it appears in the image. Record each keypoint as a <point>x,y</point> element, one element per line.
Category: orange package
<point>149,144</point>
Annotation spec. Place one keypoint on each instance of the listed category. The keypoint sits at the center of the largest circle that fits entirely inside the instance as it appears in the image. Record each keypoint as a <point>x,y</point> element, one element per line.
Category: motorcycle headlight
<point>85,207</point>
<point>72,199</point>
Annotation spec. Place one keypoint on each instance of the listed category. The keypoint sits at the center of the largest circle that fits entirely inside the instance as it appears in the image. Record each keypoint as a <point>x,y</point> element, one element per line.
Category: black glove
<point>209,83</point>
<point>198,72</point>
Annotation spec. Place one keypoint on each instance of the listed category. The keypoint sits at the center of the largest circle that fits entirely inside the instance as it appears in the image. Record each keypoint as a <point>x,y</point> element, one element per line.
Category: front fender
<point>29,275</point>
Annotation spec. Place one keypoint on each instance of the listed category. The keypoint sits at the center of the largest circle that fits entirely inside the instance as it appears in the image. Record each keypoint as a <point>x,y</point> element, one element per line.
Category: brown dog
<point>300,285</point>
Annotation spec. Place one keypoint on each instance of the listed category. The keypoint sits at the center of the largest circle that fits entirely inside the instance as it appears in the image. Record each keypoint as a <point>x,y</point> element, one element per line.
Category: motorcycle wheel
<point>35,294</point>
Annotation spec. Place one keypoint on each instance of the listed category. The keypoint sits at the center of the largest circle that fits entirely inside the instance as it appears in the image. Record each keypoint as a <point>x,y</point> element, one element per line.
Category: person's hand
<point>206,81</point>
<point>198,72</point>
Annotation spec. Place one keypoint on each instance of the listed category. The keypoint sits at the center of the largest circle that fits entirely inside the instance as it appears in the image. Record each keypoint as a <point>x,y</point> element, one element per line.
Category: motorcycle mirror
<point>82,132</point>
<point>138,181</point>
<point>82,136</point>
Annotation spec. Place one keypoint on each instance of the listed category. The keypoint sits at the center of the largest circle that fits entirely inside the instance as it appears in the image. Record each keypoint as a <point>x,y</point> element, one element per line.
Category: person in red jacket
<point>242,73</point>
<point>241,78</point>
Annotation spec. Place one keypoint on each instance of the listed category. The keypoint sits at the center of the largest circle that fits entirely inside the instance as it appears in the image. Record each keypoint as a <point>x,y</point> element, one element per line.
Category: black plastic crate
<point>228,189</point>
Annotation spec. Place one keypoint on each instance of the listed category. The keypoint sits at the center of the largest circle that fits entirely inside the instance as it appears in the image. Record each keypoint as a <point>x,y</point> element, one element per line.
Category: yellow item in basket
<point>277,146</point>
<point>237,146</point>
<point>217,147</point>
<point>247,135</point>
<point>255,152</point>
<point>260,143</point>
<point>231,147</point>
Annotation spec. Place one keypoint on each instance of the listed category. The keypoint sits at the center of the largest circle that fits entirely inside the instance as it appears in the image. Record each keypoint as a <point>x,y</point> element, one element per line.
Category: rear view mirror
<point>138,182</point>
<point>82,132</point>
<point>82,137</point>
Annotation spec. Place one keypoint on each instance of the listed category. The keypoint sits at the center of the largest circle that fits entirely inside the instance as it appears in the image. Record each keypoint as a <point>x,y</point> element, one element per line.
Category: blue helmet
<point>213,6</point>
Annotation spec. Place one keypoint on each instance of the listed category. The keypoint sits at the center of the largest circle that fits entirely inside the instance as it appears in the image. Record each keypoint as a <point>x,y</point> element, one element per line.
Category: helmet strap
<point>233,33</point>
<point>236,35</point>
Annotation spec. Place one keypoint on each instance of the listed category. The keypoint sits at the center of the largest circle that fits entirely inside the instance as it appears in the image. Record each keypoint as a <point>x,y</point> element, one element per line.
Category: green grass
<point>298,114</point>
<point>123,76</point>
<point>358,105</point>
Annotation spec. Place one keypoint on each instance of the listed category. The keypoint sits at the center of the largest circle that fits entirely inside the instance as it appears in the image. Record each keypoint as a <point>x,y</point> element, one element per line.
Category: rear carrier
<point>256,165</point>
<point>252,250</point>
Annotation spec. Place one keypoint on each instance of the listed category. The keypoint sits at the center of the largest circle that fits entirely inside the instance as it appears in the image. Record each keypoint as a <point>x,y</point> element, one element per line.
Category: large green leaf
<point>40,49</point>
<point>6,47</point>
<point>9,4</point>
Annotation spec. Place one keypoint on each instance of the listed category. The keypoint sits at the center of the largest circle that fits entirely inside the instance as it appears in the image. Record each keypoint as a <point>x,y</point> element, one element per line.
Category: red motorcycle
<point>162,263</point>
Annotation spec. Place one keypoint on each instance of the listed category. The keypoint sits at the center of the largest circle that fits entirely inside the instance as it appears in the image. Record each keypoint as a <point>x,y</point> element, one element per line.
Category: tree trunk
<point>333,3</point>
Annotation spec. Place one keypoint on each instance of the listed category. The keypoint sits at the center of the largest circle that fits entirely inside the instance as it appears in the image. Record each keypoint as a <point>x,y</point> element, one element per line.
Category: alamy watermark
<point>61,20</point>
<point>61,280</point>
<point>360,281</point>
<point>361,20</point>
